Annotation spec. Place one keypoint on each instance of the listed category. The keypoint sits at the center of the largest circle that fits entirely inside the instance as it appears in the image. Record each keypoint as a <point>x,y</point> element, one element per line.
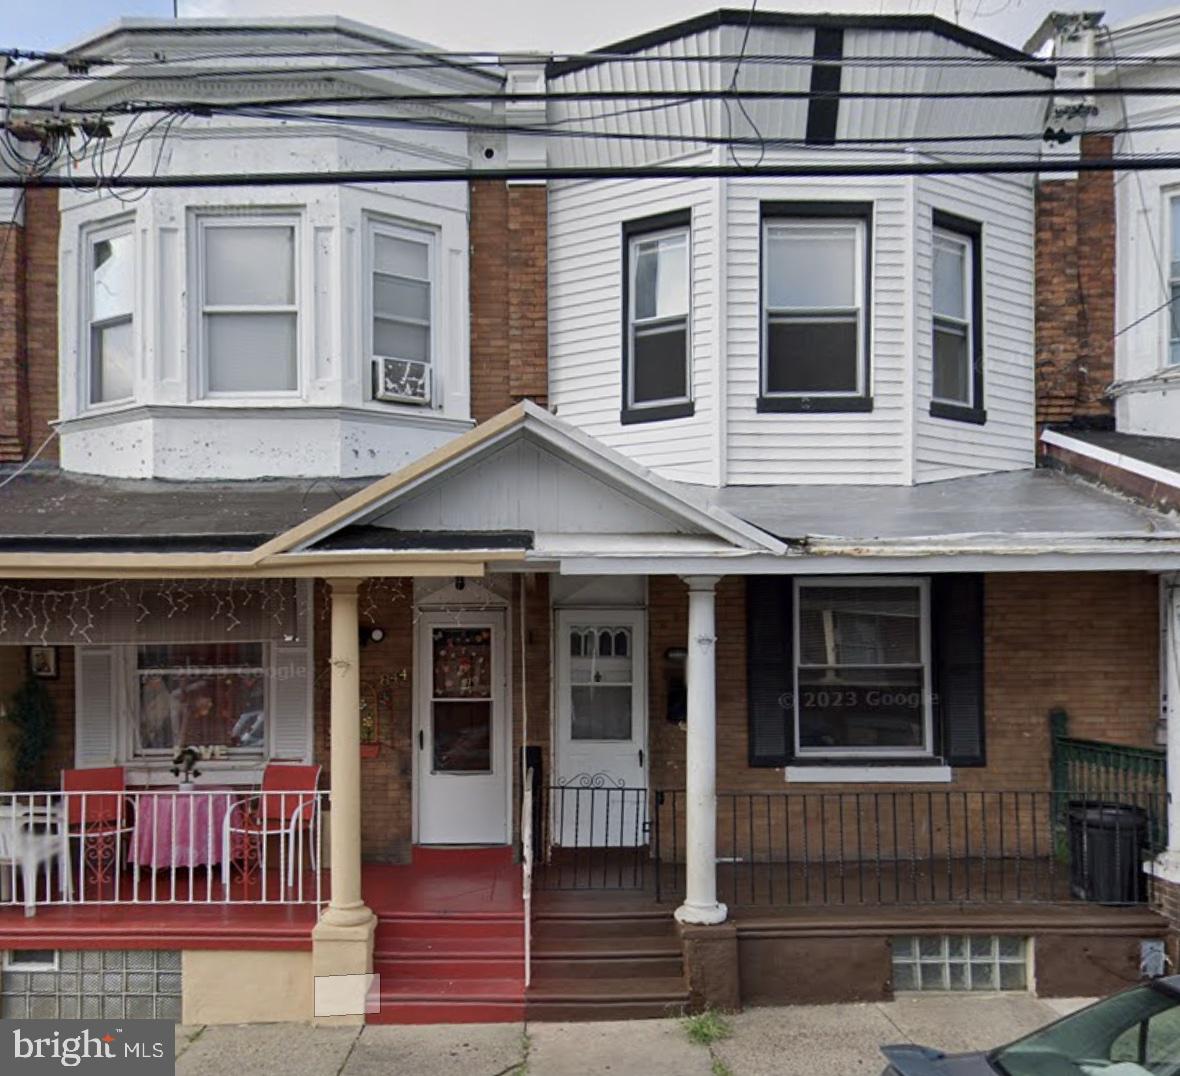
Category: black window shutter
<point>770,675</point>
<point>956,613</point>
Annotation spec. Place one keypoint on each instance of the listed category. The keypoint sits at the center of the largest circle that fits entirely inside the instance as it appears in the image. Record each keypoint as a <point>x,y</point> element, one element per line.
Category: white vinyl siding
<point>586,319</point>
<point>1004,209</point>
<point>818,448</point>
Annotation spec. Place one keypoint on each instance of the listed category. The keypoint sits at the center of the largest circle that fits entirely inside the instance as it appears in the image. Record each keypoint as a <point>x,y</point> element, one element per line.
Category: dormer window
<point>249,319</point>
<point>109,371</point>
<point>957,320</point>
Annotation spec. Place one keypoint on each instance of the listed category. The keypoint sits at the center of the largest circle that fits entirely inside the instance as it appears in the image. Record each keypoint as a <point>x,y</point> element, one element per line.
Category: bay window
<point>862,667</point>
<point>248,305</point>
<point>110,305</point>
<point>657,312</point>
<point>816,295</point>
<point>957,311</point>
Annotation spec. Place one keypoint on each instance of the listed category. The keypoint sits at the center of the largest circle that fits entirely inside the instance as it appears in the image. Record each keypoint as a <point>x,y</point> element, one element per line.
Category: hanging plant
<point>33,715</point>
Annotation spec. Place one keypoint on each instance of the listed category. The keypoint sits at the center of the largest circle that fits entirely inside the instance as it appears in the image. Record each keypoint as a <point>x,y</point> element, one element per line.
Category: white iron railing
<point>161,846</point>
<point>526,844</point>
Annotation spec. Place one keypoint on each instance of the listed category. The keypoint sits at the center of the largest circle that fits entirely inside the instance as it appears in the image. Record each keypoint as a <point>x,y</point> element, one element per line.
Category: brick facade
<point>509,296</point>
<point>1086,642</point>
<point>28,329</point>
<point>1075,273</point>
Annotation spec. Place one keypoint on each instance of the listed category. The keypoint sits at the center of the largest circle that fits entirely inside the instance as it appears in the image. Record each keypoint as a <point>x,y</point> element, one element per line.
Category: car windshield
<point>1135,1033</point>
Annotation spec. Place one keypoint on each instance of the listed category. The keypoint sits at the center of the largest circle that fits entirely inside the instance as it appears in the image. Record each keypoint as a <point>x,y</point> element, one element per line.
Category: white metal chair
<point>32,836</point>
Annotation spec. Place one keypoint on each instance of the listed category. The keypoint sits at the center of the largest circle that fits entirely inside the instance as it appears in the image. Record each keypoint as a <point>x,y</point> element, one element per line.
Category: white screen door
<point>462,754</point>
<point>600,793</point>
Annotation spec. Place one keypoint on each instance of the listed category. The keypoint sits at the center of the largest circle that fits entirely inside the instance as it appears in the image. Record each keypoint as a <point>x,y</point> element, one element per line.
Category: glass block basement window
<point>960,962</point>
<point>117,984</point>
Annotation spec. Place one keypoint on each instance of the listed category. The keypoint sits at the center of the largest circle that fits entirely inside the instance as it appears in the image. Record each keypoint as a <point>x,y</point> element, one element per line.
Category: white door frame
<point>503,759</point>
<point>637,619</point>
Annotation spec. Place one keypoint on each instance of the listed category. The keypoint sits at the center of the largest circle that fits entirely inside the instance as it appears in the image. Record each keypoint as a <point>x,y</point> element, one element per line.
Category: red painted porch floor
<point>450,936</point>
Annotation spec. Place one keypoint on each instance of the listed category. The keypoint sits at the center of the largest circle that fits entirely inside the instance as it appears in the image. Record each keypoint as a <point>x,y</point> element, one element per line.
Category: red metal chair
<point>286,806</point>
<point>98,817</point>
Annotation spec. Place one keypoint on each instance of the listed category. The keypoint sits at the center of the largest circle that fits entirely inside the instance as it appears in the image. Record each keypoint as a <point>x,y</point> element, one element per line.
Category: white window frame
<point>634,324</point>
<point>787,223</point>
<point>160,755</point>
<point>965,243</point>
<point>1172,323</point>
<point>14,965</point>
<point>92,235</point>
<point>233,218</point>
<point>923,586</point>
<point>415,233</point>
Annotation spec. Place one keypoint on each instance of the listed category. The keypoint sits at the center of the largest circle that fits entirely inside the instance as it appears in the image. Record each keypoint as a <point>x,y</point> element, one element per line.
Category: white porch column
<point>700,900</point>
<point>1167,865</point>
<point>342,941</point>
<point>346,907</point>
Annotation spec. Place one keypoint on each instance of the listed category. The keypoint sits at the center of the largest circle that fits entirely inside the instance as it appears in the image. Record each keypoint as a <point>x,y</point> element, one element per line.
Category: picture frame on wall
<point>43,662</point>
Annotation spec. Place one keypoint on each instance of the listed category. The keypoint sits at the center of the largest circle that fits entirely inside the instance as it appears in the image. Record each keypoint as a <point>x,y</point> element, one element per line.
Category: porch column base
<point>342,952</point>
<point>702,915</point>
<point>711,967</point>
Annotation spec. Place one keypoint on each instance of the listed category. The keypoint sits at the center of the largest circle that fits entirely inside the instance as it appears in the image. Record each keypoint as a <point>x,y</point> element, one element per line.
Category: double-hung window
<point>110,271</point>
<point>401,312</point>
<point>862,667</point>
<point>657,377</point>
<point>248,305</point>
<point>816,296</point>
<point>957,310</point>
<point>1174,286</point>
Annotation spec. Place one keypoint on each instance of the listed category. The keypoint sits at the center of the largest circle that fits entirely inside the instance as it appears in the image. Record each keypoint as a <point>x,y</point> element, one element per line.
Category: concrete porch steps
<point>605,964</point>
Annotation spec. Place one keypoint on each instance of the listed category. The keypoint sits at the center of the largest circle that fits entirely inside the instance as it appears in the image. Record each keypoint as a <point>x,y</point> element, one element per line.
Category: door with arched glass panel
<point>599,797</point>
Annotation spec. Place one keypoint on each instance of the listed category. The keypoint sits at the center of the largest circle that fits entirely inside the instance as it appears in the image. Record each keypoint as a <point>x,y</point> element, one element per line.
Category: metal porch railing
<point>918,846</point>
<point>228,846</point>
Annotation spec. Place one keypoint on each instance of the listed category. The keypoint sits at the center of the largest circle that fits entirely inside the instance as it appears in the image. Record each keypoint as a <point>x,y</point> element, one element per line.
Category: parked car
<point>1133,1033</point>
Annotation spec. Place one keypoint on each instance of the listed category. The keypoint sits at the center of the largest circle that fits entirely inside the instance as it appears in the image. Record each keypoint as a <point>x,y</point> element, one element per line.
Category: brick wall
<point>14,388</point>
<point>387,682</point>
<point>509,296</point>
<point>1087,642</point>
<point>1075,271</point>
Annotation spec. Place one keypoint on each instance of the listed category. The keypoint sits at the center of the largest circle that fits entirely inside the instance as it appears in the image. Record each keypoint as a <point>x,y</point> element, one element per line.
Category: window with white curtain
<point>952,318</point>
<point>110,315</point>
<point>248,285</point>
<point>1174,287</point>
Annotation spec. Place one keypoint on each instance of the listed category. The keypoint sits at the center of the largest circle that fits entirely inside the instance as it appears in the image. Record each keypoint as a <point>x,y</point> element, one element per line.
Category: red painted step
<point>450,1001</point>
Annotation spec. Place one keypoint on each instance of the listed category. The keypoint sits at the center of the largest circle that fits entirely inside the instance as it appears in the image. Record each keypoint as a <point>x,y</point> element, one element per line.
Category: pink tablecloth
<point>180,829</point>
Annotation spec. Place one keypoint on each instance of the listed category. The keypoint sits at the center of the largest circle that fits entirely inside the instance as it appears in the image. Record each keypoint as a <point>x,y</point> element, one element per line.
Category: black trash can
<point>1106,843</point>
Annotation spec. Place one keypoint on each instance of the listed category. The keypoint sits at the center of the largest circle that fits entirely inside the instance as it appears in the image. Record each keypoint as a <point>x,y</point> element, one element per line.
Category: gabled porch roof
<point>527,479</point>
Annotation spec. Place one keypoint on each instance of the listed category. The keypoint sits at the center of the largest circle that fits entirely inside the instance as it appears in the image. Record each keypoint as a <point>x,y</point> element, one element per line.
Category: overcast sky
<point>499,25</point>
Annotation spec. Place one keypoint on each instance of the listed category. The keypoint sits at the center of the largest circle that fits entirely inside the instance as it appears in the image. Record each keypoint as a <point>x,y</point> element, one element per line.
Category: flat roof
<point>1010,505</point>
<point>1158,451</point>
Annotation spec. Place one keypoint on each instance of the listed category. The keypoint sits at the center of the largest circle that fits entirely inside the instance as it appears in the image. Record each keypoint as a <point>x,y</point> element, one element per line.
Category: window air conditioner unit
<point>401,380</point>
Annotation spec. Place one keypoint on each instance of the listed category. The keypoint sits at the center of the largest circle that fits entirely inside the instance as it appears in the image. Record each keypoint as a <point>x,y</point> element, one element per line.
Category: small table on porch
<point>180,829</point>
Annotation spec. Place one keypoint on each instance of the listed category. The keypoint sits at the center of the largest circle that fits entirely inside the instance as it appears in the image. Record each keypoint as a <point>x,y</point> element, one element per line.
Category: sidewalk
<point>828,1040</point>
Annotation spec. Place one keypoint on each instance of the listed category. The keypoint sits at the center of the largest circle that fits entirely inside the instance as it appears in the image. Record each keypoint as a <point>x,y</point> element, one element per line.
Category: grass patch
<point>707,1028</point>
<point>720,1068</point>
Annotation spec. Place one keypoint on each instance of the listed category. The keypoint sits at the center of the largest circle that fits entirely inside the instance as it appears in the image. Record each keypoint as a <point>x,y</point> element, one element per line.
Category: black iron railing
<point>596,836</point>
<point>918,847</point>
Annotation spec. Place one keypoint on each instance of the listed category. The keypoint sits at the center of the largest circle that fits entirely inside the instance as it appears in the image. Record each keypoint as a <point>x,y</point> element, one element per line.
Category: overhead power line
<point>445,175</point>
